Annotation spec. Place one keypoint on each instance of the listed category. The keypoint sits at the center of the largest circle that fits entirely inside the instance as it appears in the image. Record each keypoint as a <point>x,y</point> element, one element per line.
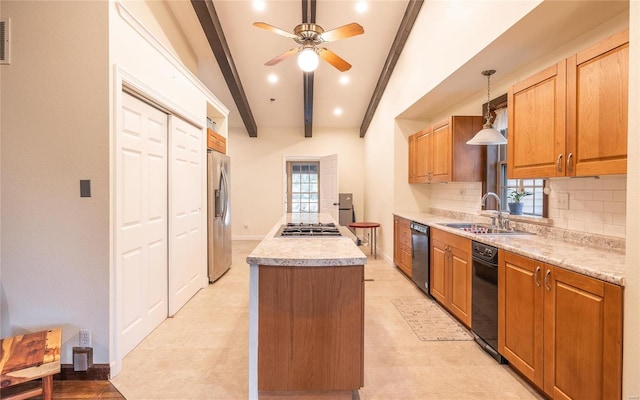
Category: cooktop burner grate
<point>303,229</point>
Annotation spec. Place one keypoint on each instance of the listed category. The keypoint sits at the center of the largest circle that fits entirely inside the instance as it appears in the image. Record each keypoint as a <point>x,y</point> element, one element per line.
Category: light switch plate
<point>563,201</point>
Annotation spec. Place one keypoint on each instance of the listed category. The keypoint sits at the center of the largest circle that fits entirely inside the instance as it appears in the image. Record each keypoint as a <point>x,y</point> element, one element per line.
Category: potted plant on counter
<point>515,205</point>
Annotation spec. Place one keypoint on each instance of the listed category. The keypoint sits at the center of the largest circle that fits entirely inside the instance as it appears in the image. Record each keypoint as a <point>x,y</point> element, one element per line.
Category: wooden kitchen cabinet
<point>450,279</point>
<point>597,108</point>
<point>441,154</point>
<point>571,118</point>
<point>402,249</point>
<point>412,159</point>
<point>562,330</point>
<point>310,329</point>
<point>216,142</point>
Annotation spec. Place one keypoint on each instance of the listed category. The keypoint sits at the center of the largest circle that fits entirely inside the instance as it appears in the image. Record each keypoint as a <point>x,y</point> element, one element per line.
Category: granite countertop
<point>607,265</point>
<point>307,251</point>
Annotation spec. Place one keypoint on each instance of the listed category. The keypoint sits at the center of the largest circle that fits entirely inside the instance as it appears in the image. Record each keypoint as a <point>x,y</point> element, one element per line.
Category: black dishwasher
<point>484,299</point>
<point>420,256</point>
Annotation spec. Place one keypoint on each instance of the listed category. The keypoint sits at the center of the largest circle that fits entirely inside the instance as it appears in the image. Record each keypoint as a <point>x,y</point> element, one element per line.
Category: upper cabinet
<point>440,153</point>
<point>571,118</point>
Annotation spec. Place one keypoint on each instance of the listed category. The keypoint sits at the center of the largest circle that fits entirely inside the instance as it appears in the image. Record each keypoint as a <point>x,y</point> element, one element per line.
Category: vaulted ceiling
<point>300,100</point>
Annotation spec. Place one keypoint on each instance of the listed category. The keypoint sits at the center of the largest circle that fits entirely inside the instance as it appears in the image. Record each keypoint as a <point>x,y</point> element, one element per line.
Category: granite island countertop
<point>307,251</point>
<point>599,263</point>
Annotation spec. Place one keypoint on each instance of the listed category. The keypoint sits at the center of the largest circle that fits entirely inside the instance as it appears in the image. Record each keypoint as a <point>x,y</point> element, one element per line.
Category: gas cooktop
<point>303,229</point>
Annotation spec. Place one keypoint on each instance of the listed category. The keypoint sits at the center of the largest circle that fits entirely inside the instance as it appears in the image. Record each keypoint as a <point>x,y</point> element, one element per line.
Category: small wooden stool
<point>373,226</point>
<point>27,357</point>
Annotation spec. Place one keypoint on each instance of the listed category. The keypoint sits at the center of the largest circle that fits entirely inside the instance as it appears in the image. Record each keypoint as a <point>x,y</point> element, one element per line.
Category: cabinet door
<point>441,152</point>
<point>583,337</point>
<point>412,158</point>
<point>460,299</point>
<point>520,314</point>
<point>396,240</point>
<point>537,124</point>
<point>439,260</point>
<point>597,108</point>
<point>423,155</point>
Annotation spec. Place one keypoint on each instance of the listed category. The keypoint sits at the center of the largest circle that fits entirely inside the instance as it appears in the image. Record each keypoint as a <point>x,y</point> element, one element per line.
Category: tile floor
<point>202,352</point>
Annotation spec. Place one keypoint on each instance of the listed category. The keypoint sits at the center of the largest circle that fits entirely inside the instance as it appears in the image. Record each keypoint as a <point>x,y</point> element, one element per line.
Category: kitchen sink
<point>484,229</point>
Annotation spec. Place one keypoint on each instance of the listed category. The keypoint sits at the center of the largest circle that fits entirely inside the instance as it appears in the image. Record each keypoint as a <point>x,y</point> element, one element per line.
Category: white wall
<point>55,131</point>
<point>58,101</point>
<point>257,186</point>
<point>462,32</point>
<point>631,345</point>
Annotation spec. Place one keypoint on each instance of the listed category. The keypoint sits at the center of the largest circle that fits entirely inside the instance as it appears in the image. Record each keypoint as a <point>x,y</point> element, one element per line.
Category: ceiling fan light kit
<point>309,36</point>
<point>308,59</point>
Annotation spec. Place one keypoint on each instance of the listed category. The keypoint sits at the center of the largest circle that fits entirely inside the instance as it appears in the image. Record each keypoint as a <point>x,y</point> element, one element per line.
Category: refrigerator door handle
<point>217,211</point>
<point>225,190</point>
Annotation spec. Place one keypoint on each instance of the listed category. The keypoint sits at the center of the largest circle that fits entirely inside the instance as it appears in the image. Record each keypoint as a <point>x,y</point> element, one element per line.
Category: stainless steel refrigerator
<point>345,209</point>
<point>218,214</point>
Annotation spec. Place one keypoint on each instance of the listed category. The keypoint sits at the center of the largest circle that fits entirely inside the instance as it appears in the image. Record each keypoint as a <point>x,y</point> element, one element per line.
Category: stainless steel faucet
<point>498,208</point>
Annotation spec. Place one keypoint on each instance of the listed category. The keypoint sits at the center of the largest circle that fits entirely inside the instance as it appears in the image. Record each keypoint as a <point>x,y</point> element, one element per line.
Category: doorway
<point>311,184</point>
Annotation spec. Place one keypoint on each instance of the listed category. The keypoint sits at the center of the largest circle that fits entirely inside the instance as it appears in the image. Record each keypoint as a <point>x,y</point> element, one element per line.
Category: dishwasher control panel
<point>484,252</point>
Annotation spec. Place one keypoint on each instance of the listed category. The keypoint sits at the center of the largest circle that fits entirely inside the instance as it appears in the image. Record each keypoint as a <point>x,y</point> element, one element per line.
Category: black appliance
<point>420,256</point>
<point>304,229</point>
<point>484,301</point>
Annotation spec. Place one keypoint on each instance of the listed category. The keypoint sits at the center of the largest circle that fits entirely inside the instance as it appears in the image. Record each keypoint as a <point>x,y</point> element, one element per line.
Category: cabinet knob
<point>569,166</point>
<point>536,276</point>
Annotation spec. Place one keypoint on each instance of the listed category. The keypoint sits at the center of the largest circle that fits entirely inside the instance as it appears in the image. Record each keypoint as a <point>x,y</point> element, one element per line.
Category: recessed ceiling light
<point>337,111</point>
<point>344,79</point>
<point>362,6</point>
<point>259,5</point>
<point>272,78</point>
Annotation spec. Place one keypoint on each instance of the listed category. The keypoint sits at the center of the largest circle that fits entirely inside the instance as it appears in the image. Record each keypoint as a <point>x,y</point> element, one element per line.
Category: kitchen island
<point>306,314</point>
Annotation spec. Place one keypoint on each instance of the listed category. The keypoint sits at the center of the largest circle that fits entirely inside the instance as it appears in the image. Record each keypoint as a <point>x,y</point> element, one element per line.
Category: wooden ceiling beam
<point>212,28</point>
<point>308,16</point>
<point>409,18</point>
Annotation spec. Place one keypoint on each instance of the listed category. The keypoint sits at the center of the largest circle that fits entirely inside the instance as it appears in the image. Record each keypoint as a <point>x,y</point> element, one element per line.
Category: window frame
<point>289,194</point>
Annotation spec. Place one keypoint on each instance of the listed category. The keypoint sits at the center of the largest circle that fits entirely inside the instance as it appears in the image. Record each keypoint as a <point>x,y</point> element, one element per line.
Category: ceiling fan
<point>309,36</point>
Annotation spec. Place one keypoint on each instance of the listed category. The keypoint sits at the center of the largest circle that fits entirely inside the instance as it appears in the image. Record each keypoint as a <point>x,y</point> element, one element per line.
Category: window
<point>302,187</point>
<point>533,204</point>
<point>497,181</point>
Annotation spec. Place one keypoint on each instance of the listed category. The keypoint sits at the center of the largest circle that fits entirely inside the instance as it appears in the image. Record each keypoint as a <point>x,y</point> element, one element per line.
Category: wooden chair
<point>27,357</point>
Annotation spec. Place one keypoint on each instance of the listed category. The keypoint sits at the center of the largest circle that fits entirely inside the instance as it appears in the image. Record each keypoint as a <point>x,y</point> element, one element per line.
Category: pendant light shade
<point>488,134</point>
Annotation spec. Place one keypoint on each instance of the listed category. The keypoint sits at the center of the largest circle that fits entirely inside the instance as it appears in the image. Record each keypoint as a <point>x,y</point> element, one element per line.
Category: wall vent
<point>5,41</point>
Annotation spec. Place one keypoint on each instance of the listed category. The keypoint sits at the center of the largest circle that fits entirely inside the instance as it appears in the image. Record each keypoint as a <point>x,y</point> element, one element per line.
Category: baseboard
<point>97,372</point>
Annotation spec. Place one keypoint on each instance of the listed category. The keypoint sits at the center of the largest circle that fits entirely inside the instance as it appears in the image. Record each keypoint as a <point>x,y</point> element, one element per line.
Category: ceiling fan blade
<point>273,29</point>
<point>342,32</point>
<point>282,56</point>
<point>333,59</point>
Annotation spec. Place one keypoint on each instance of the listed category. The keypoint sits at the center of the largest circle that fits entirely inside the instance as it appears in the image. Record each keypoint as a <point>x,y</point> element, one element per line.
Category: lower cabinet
<point>402,244</point>
<point>560,329</point>
<point>450,280</point>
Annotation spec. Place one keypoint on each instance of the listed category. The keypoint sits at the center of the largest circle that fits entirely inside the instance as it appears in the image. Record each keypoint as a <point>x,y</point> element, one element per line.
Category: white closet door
<point>187,268</point>
<point>140,222</point>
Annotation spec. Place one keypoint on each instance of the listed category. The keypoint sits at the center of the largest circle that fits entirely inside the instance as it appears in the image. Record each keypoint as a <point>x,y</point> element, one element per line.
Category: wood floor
<point>66,390</point>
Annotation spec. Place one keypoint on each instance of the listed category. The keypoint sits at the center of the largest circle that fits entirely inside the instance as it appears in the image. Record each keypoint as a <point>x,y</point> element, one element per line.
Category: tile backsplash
<point>590,205</point>
<point>594,205</point>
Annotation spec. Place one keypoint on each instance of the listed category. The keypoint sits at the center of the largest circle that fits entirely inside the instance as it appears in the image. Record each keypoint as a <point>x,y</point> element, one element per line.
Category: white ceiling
<point>251,47</point>
<point>542,31</point>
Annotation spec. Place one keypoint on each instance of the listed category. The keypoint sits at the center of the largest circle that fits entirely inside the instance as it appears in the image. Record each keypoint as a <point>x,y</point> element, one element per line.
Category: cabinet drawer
<point>216,141</point>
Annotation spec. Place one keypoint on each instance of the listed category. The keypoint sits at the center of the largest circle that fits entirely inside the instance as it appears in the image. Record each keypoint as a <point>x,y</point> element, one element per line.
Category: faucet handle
<point>506,223</point>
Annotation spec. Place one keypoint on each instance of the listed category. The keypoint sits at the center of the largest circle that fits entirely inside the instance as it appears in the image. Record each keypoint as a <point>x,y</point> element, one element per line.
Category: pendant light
<point>488,134</point>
